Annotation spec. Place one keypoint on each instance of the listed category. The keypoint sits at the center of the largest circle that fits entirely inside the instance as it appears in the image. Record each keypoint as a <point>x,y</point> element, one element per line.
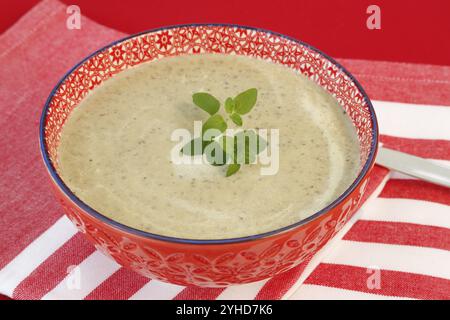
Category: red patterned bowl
<point>210,263</point>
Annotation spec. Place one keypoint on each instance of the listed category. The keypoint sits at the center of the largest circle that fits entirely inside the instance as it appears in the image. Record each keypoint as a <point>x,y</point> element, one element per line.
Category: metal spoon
<point>413,166</point>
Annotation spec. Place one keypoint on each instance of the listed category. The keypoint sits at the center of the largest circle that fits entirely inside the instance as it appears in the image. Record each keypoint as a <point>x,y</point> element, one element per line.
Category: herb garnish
<point>227,145</point>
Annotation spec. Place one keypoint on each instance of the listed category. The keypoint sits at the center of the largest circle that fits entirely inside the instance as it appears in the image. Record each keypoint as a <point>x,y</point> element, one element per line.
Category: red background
<point>411,31</point>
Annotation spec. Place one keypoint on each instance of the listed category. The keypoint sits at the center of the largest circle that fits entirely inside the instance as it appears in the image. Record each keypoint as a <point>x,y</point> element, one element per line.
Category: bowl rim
<point>122,227</point>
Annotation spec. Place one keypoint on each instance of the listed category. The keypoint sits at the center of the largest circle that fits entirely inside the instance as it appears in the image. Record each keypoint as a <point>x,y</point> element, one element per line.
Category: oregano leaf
<point>206,102</point>
<point>236,118</point>
<point>229,105</point>
<point>245,101</point>
<point>215,122</point>
<point>232,169</point>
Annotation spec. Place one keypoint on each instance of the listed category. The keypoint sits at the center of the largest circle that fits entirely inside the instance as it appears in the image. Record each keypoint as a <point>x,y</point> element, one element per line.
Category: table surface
<point>410,32</point>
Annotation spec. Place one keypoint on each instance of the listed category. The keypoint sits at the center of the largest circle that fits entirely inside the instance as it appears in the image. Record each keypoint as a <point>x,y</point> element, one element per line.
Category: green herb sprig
<point>235,108</point>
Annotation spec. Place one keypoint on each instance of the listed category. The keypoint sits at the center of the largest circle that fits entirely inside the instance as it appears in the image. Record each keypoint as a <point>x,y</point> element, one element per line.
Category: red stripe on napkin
<point>120,286</point>
<point>196,293</point>
<point>402,82</point>
<point>409,234</point>
<point>276,287</point>
<point>425,148</point>
<point>377,175</point>
<point>393,283</point>
<point>416,189</point>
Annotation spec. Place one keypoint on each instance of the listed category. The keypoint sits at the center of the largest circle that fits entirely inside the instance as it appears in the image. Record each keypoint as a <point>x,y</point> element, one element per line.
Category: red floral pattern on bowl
<point>210,263</point>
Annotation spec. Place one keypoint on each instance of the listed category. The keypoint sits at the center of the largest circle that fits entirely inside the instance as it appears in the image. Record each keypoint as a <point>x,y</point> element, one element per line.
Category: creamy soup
<point>115,149</point>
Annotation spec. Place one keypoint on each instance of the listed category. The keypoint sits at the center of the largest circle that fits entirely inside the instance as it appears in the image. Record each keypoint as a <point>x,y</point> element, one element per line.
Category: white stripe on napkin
<point>157,290</point>
<point>408,211</point>
<point>92,271</point>
<point>36,253</point>
<point>412,259</point>
<point>414,121</point>
<point>242,292</point>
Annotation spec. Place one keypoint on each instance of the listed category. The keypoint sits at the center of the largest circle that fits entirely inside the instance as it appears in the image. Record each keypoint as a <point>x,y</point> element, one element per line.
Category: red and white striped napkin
<point>396,246</point>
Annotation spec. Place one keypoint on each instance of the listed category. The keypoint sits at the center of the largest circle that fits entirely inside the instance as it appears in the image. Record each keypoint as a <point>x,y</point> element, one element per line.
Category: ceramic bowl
<point>210,263</point>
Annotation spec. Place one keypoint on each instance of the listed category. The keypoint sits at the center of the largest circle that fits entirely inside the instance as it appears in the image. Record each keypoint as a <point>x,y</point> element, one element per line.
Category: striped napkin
<point>396,246</point>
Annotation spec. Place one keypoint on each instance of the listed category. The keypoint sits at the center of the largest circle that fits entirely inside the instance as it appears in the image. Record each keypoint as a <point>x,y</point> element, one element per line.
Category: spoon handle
<point>414,166</point>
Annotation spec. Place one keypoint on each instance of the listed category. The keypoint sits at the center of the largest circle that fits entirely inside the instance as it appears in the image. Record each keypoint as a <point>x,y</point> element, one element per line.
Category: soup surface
<point>115,149</point>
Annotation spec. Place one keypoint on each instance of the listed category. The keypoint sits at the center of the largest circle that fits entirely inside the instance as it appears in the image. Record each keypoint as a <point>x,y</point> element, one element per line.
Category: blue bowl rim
<point>51,169</point>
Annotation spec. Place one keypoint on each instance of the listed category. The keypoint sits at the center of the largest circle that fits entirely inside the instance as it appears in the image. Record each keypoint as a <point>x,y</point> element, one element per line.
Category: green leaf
<point>215,122</point>
<point>206,102</point>
<point>236,119</point>
<point>229,105</point>
<point>245,101</point>
<point>232,169</point>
